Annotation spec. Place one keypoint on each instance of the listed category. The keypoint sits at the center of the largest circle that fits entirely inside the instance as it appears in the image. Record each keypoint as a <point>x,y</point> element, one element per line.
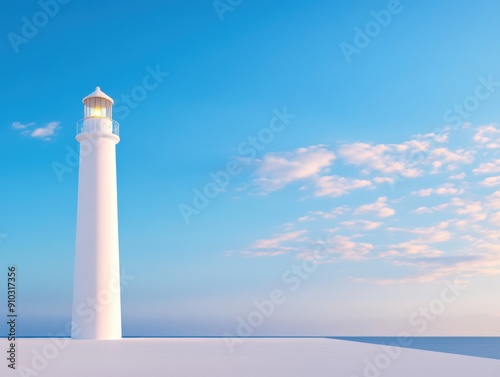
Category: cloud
<point>380,180</point>
<point>458,176</point>
<point>445,189</point>
<point>438,138</point>
<point>256,254</point>
<point>439,157</point>
<point>483,260</point>
<point>361,224</point>
<point>45,133</point>
<point>276,170</point>
<point>488,137</point>
<point>472,256</point>
<point>443,156</point>
<point>464,244</point>
<point>305,218</point>
<point>279,239</point>
<point>335,186</point>
<point>466,207</point>
<point>379,208</point>
<point>490,181</point>
<point>342,247</point>
<point>348,249</point>
<point>278,244</point>
<point>332,214</point>
<point>469,257</point>
<point>423,209</point>
<point>389,159</point>
<point>488,168</point>
<point>432,234</point>
<point>492,201</point>
<point>21,126</point>
<point>413,248</point>
<point>407,159</point>
<point>494,218</point>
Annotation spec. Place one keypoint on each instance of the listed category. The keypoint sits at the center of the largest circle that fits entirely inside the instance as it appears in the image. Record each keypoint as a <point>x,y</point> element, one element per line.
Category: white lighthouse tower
<point>96,294</point>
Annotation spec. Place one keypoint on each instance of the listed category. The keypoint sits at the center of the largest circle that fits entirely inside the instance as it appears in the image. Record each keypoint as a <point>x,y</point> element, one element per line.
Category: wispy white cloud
<point>488,137</point>
<point>276,170</point>
<point>432,234</point>
<point>412,248</point>
<point>21,126</point>
<point>332,214</point>
<point>408,159</point>
<point>440,157</point>
<point>445,189</point>
<point>278,239</point>
<point>380,208</point>
<point>464,244</point>
<point>438,138</point>
<point>305,218</point>
<point>488,167</point>
<point>466,207</point>
<point>47,132</point>
<point>390,159</point>
<point>342,247</point>
<point>492,201</point>
<point>457,177</point>
<point>362,224</point>
<point>490,181</point>
<point>444,156</point>
<point>309,165</point>
<point>335,186</point>
<point>388,180</point>
<point>278,244</point>
<point>423,209</point>
<point>483,260</point>
<point>348,249</point>
<point>494,218</point>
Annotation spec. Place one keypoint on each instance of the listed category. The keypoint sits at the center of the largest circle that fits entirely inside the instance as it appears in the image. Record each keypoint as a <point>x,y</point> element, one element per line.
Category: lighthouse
<point>96,290</point>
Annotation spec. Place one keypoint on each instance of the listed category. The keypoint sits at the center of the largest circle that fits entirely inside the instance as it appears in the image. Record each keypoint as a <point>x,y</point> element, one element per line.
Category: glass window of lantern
<point>98,107</point>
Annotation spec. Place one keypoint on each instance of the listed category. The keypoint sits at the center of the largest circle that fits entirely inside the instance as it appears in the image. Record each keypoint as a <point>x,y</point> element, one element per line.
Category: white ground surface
<point>252,358</point>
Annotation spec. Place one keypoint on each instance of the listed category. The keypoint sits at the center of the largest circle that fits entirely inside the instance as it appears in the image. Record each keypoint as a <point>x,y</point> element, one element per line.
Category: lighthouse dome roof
<point>98,93</point>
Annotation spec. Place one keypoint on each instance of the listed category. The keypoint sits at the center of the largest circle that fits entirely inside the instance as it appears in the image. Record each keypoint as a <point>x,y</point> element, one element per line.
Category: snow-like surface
<point>251,358</point>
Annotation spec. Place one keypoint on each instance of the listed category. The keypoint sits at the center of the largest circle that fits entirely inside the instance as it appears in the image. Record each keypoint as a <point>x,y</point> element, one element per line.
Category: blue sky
<point>386,160</point>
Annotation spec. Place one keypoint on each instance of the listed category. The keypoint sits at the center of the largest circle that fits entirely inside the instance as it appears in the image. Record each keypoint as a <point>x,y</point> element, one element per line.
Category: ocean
<point>488,347</point>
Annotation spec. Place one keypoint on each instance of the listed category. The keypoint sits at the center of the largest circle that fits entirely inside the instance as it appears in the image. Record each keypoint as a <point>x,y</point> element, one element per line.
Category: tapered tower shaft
<point>96,296</point>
